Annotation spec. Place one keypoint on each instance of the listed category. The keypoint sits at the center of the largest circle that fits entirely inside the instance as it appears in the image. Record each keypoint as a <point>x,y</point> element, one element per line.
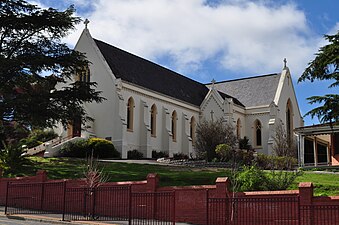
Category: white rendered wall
<point>165,106</point>
<point>287,92</point>
<point>262,114</point>
<point>239,113</point>
<point>107,123</point>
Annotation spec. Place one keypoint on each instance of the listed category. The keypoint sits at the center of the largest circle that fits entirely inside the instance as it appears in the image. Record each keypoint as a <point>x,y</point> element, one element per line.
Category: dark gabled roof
<point>252,91</point>
<point>236,101</point>
<point>146,74</point>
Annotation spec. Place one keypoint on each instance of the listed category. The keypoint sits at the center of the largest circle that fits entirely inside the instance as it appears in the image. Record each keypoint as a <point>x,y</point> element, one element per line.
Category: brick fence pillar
<point>222,187</point>
<point>306,193</point>
<point>41,176</point>
<point>152,182</point>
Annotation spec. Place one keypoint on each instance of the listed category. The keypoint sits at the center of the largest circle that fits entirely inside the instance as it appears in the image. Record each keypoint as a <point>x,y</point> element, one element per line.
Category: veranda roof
<point>318,129</point>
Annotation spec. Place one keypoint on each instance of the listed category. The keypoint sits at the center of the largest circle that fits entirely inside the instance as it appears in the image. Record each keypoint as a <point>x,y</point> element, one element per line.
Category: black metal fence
<point>110,203</point>
<point>119,203</point>
<point>101,203</point>
<point>319,215</point>
<point>253,211</point>
<point>153,208</point>
<point>33,198</point>
<point>268,211</point>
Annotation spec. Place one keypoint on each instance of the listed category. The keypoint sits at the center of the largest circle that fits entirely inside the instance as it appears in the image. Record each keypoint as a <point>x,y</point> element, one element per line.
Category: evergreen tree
<point>33,60</point>
<point>325,66</point>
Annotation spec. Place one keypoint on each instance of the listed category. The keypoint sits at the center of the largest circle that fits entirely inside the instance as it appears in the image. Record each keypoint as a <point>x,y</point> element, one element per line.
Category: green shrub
<point>244,157</point>
<point>100,148</point>
<point>285,163</point>
<point>37,137</point>
<point>244,143</point>
<point>224,152</point>
<point>281,180</point>
<point>11,158</point>
<point>180,156</point>
<point>135,154</point>
<point>239,157</point>
<point>263,161</point>
<point>78,149</point>
<point>252,178</point>
<point>157,155</point>
<point>272,162</point>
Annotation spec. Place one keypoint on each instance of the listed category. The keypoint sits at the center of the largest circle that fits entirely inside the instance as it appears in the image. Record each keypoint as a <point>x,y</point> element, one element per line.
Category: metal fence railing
<point>101,203</point>
<point>109,203</point>
<point>153,208</point>
<point>33,198</point>
<point>319,215</point>
<point>119,203</point>
<point>253,211</point>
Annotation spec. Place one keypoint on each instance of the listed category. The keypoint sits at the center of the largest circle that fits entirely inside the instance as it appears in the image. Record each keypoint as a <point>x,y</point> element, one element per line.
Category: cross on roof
<point>213,82</point>
<point>86,22</point>
<point>285,63</point>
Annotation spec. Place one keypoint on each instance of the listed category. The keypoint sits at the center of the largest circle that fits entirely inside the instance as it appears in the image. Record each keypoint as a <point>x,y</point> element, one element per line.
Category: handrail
<point>42,147</point>
<point>60,140</point>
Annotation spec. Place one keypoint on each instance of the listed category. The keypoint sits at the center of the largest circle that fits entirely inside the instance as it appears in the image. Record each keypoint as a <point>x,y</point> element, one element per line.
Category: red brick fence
<point>147,202</point>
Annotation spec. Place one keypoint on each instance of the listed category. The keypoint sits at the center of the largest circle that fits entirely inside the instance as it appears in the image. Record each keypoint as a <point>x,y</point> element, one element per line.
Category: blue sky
<point>215,39</point>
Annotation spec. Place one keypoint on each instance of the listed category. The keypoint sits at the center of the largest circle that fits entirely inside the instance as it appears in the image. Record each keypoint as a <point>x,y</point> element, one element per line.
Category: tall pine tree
<point>33,60</point>
<point>325,66</point>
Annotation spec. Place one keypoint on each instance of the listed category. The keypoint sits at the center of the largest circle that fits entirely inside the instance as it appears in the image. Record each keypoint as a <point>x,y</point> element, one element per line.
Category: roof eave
<point>317,130</point>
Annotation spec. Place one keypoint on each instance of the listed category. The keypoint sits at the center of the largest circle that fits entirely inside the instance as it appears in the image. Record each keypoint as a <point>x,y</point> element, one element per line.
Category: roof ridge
<point>245,78</point>
<point>149,61</point>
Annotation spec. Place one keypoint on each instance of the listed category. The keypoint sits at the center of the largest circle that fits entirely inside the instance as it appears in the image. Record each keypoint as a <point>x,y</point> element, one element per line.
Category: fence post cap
<point>152,175</point>
<point>306,185</point>
<point>222,180</point>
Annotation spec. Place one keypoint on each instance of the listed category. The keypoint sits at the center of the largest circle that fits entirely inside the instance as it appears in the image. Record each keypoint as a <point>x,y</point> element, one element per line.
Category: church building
<point>151,108</point>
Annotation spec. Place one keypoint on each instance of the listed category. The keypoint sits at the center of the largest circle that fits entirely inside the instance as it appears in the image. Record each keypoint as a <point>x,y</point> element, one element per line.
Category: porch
<point>318,145</point>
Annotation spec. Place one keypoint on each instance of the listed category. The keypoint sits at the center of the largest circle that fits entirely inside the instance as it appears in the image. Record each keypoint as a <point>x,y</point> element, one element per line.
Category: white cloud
<point>248,36</point>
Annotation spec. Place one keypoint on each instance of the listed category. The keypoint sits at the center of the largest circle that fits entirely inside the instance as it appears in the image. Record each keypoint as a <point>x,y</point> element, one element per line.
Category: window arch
<point>153,120</point>
<point>174,126</point>
<point>130,112</point>
<point>238,128</point>
<point>84,74</point>
<point>192,129</point>
<point>257,133</point>
<point>289,121</point>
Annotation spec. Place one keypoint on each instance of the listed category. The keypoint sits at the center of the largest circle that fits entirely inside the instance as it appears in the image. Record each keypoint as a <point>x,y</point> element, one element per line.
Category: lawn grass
<point>325,184</point>
<point>62,168</point>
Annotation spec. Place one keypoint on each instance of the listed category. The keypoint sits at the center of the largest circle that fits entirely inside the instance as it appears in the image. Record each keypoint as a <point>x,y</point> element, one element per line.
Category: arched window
<point>130,112</point>
<point>153,120</point>
<point>192,129</point>
<point>84,75</point>
<point>258,135</point>
<point>174,126</point>
<point>289,121</point>
<point>238,128</point>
